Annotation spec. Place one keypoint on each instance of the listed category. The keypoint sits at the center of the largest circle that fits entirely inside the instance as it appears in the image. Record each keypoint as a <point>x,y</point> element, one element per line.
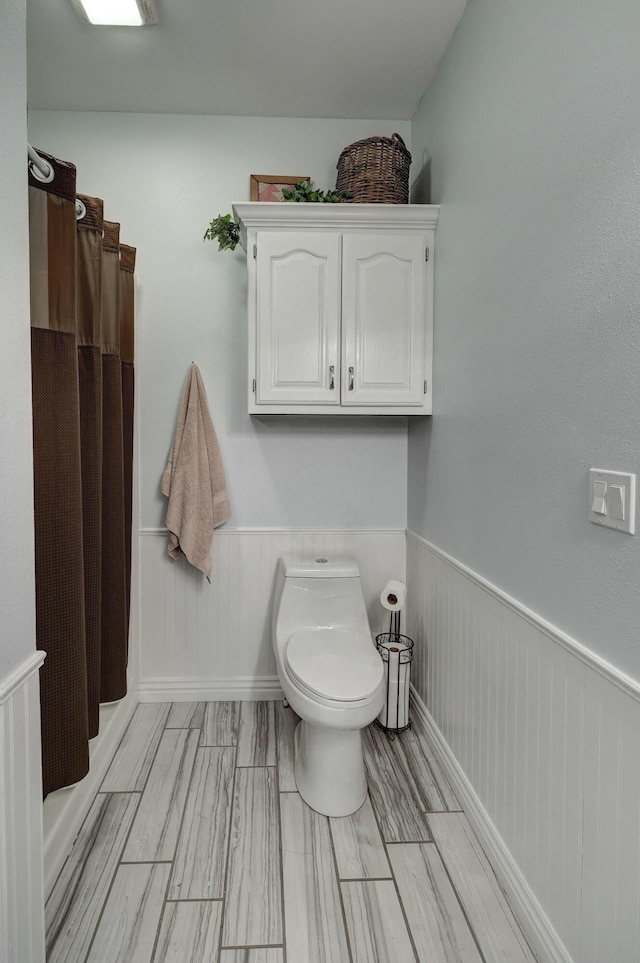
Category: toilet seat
<point>336,665</point>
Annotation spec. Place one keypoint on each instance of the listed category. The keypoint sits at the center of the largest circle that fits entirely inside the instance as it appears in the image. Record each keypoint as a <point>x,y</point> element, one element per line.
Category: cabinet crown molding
<point>263,215</point>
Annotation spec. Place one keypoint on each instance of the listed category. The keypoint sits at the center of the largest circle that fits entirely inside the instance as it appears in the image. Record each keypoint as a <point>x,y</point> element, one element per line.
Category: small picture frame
<point>268,187</point>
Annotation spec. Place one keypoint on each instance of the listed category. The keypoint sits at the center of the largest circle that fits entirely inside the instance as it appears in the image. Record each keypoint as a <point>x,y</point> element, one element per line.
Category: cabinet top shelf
<point>264,215</point>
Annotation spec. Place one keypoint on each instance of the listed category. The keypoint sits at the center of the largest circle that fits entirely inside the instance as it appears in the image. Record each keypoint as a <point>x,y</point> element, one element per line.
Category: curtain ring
<point>44,176</point>
<point>81,210</point>
<point>41,169</point>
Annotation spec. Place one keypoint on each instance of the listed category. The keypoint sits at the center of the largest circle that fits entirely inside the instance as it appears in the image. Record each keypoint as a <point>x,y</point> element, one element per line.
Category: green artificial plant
<point>226,231</point>
<point>306,192</point>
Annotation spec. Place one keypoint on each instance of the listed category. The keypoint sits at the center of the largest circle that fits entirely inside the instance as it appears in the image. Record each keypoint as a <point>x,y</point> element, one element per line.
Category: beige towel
<point>193,480</point>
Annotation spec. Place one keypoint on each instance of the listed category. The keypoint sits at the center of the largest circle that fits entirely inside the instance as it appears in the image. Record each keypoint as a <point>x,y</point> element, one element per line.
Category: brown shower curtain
<point>82,559</point>
<point>89,327</point>
<point>113,677</point>
<point>60,618</point>
<point>127,331</point>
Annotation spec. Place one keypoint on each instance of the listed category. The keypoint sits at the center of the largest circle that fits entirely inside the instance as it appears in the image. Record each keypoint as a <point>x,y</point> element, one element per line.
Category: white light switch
<point>616,501</point>
<point>599,503</point>
<point>612,499</point>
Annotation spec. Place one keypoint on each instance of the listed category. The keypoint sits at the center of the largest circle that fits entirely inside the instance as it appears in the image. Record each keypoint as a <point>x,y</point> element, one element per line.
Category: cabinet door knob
<point>332,377</point>
<point>350,378</point>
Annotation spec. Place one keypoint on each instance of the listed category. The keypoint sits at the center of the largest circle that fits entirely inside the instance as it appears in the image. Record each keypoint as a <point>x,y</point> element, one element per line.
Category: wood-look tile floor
<point>198,849</point>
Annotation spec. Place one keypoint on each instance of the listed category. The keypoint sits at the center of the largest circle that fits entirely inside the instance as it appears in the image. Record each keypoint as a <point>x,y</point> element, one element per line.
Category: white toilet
<point>331,675</point>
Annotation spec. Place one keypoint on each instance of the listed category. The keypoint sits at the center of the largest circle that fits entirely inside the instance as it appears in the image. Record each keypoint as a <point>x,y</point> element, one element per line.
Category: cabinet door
<point>383,319</point>
<point>298,318</point>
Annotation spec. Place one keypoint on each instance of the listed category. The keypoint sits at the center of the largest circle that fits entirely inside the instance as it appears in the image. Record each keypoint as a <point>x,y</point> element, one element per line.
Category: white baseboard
<point>243,688</point>
<point>64,810</point>
<point>536,925</point>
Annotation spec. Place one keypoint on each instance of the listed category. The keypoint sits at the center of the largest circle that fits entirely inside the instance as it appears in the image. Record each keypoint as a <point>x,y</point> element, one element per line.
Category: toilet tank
<point>320,591</point>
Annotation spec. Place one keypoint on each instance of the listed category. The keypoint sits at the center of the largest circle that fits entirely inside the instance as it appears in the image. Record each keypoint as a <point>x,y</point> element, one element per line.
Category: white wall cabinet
<point>340,305</point>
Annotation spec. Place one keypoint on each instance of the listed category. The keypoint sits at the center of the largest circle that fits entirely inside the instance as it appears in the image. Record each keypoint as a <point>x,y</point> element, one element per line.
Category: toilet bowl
<point>331,674</point>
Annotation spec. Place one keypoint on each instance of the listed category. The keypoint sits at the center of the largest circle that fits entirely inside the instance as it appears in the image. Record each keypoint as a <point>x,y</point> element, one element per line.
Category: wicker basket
<point>375,171</point>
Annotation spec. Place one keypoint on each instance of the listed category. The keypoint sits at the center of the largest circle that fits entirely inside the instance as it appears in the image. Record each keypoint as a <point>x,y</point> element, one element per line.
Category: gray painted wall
<point>530,135</point>
<point>164,177</point>
<point>17,637</point>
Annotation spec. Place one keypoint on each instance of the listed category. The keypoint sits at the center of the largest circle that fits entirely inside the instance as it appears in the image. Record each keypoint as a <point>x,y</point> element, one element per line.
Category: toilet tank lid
<point>319,566</point>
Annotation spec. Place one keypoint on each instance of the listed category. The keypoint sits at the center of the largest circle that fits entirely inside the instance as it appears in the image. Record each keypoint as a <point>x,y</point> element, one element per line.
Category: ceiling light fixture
<point>122,13</point>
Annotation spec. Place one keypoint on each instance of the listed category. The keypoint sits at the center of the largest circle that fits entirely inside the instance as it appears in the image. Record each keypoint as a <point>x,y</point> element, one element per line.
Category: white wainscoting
<point>213,641</point>
<point>540,738</point>
<point>21,894</point>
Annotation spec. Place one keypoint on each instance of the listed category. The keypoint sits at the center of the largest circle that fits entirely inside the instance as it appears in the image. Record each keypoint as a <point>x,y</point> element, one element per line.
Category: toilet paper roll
<point>395,711</point>
<point>392,688</point>
<point>394,595</point>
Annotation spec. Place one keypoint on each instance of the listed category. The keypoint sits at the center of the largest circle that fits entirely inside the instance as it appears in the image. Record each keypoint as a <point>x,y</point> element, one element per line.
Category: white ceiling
<point>278,58</point>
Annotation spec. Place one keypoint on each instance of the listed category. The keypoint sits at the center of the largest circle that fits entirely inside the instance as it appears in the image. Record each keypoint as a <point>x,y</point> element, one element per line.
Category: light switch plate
<point>620,487</point>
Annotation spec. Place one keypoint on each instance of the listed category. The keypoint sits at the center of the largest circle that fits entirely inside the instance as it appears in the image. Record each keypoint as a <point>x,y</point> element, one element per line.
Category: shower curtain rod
<point>43,171</point>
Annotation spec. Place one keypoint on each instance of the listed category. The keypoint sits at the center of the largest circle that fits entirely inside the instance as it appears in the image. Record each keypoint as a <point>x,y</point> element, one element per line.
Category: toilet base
<point>329,769</point>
